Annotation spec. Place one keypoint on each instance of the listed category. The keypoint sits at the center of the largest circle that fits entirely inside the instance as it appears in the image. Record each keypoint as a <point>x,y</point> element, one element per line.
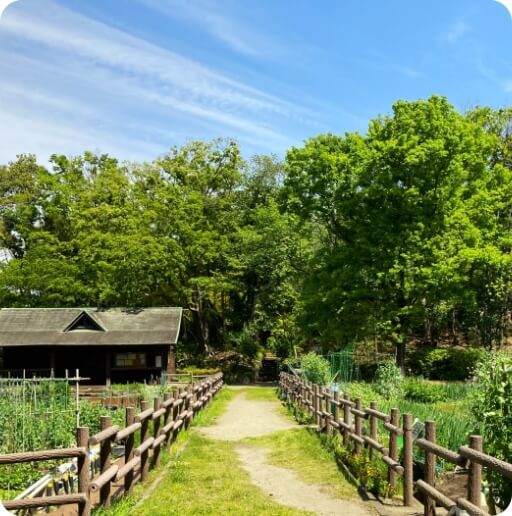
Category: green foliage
<point>450,364</point>
<point>316,368</point>
<point>413,222</point>
<point>418,389</point>
<point>389,380</point>
<point>492,407</point>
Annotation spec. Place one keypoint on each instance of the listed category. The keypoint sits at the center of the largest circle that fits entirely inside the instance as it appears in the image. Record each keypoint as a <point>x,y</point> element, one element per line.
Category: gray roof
<point>113,327</point>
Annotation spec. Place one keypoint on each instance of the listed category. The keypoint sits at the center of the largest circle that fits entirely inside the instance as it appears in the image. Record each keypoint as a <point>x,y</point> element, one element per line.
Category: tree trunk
<point>400,356</point>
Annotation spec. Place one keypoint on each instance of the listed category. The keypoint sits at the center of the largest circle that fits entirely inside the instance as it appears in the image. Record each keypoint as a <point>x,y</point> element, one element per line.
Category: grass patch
<point>261,393</point>
<point>208,480</point>
<point>302,452</point>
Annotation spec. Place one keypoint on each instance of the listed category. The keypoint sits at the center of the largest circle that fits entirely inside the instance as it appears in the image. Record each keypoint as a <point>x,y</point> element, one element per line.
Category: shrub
<point>450,364</point>
<point>389,379</point>
<point>492,407</point>
<point>418,389</point>
<point>316,368</point>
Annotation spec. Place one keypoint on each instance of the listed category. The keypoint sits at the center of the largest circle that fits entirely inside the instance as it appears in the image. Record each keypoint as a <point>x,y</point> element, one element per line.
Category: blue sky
<point>134,77</point>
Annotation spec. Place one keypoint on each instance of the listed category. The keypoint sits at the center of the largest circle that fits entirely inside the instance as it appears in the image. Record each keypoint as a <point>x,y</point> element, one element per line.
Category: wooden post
<point>328,419</point>
<point>430,468</point>
<point>144,435</point>
<point>358,426</point>
<point>156,431</point>
<point>475,472</point>
<point>346,420</point>
<point>128,450</point>
<point>373,422</point>
<point>393,448</point>
<point>408,460</point>
<point>82,440</point>
<point>336,410</point>
<point>316,405</point>
<point>105,449</point>
<point>175,413</point>
<point>168,419</point>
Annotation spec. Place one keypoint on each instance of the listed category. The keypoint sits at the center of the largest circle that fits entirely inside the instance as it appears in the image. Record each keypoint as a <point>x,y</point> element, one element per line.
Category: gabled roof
<point>88,326</point>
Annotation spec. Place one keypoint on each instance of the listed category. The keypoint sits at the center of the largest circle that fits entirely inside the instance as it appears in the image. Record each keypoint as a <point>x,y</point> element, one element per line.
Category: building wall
<point>117,364</point>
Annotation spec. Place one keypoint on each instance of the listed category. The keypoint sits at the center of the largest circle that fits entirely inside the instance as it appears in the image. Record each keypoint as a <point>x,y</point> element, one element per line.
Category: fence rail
<point>168,417</point>
<point>359,428</point>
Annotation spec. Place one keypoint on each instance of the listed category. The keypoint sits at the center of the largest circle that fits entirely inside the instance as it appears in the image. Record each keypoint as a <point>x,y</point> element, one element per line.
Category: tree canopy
<point>401,233</point>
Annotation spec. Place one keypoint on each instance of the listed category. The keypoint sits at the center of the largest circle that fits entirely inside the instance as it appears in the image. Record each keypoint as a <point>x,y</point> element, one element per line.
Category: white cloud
<point>457,31</point>
<point>75,83</point>
<point>223,26</point>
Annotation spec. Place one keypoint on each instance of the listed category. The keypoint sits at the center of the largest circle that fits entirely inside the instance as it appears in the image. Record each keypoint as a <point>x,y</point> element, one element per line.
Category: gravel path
<point>252,418</point>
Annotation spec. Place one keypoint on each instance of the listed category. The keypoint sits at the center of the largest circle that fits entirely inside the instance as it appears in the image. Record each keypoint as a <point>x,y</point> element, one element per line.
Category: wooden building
<point>107,346</point>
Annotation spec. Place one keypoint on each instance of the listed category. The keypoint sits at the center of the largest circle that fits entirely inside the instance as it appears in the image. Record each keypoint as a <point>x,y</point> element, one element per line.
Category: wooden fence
<point>169,417</point>
<point>360,428</point>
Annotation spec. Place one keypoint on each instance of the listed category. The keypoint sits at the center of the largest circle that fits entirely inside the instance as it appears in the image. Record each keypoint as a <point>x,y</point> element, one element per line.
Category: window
<point>130,359</point>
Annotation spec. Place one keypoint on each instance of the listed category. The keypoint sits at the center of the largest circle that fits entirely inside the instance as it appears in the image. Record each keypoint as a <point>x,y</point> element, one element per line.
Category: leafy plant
<point>449,364</point>
<point>492,407</point>
<point>316,368</point>
<point>389,379</point>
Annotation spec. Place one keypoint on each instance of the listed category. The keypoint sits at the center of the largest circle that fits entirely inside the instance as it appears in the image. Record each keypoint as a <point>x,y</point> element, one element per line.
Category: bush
<point>418,389</point>
<point>450,364</point>
<point>316,369</point>
<point>492,407</point>
<point>389,379</point>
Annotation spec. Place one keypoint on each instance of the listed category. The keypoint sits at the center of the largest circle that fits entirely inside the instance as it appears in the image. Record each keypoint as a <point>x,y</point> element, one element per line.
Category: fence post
<point>346,420</point>
<point>373,428</point>
<point>336,410</point>
<point>128,450</point>
<point>408,460</point>
<point>167,419</point>
<point>175,413</point>
<point>328,398</point>
<point>82,440</point>
<point>475,472</point>
<point>144,435</point>
<point>430,468</point>
<point>393,448</point>
<point>316,405</point>
<point>105,449</point>
<point>157,403</point>
<point>358,426</point>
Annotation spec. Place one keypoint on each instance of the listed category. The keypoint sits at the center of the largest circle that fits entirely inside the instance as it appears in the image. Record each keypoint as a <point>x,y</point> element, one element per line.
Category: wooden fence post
<point>128,450</point>
<point>83,467</point>
<point>175,413</point>
<point>336,411</point>
<point>475,472</point>
<point>408,460</point>
<point>328,398</point>
<point>157,403</point>
<point>317,406</point>
<point>393,448</point>
<point>430,468</point>
<point>346,420</point>
<point>105,449</point>
<point>373,427</point>
<point>358,427</point>
<point>144,435</point>
<point>167,418</point>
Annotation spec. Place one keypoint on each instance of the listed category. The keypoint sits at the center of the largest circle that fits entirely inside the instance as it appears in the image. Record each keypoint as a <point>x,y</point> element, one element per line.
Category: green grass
<point>206,478</point>
<point>302,452</point>
<point>261,393</point>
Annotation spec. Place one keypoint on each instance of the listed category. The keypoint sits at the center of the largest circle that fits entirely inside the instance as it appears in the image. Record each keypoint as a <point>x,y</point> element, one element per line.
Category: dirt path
<point>253,418</point>
<point>248,418</point>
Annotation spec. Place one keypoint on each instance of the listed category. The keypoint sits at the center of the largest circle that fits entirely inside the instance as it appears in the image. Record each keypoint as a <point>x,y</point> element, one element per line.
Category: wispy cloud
<point>90,85</point>
<point>457,31</point>
<point>210,18</point>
